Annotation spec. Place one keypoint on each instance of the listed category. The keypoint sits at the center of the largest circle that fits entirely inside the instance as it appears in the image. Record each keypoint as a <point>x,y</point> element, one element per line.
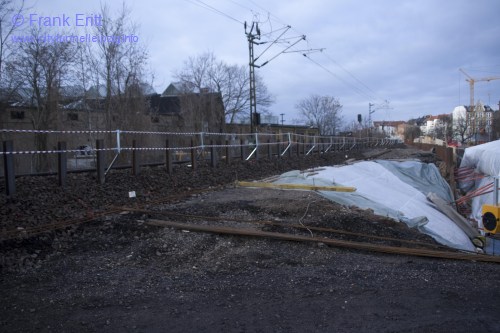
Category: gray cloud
<point>408,52</point>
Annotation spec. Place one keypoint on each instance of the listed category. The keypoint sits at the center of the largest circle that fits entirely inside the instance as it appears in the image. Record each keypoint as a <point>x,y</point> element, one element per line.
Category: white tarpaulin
<point>485,160</point>
<point>394,189</point>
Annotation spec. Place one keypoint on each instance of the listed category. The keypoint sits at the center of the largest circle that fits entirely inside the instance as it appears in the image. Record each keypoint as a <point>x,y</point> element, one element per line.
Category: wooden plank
<point>297,186</point>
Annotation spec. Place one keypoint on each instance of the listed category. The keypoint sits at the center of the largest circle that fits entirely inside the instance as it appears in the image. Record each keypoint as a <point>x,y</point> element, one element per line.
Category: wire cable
<point>357,90</point>
<point>365,91</point>
<point>213,9</point>
<point>302,218</point>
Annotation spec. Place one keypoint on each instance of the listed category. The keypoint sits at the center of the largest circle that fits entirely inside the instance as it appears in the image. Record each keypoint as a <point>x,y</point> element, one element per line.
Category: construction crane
<point>471,81</point>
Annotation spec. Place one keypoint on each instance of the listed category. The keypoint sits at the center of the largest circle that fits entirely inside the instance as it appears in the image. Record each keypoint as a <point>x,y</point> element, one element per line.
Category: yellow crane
<point>471,81</point>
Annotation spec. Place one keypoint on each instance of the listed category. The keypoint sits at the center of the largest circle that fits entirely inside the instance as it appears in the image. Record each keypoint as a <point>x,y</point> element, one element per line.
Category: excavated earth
<point>107,268</point>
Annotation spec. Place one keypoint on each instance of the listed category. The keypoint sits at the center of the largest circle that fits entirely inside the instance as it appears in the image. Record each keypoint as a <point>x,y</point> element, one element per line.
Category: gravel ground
<point>118,273</point>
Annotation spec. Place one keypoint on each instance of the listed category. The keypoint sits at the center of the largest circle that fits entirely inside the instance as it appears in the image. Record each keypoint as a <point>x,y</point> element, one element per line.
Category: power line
<point>356,89</point>
<point>370,93</point>
<point>213,9</point>
<point>353,76</point>
<point>284,51</point>
<point>272,43</point>
<point>359,87</point>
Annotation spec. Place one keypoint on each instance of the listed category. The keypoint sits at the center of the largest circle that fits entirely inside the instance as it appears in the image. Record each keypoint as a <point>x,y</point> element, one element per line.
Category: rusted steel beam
<point>328,241</point>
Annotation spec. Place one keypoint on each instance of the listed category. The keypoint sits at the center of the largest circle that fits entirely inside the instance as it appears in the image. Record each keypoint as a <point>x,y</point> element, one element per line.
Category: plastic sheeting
<point>394,189</point>
<point>485,160</point>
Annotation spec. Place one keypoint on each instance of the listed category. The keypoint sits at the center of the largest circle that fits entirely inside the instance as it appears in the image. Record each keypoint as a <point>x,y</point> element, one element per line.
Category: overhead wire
<point>358,87</point>
<point>353,76</point>
<point>213,9</point>
<point>363,90</point>
<point>274,42</point>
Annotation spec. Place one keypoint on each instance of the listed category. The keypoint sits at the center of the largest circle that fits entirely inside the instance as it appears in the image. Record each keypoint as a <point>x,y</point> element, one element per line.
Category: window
<point>16,114</point>
<point>72,116</point>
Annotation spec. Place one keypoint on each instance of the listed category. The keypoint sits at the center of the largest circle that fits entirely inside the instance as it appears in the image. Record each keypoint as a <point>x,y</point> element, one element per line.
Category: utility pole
<point>370,118</point>
<point>385,105</point>
<point>252,37</point>
<point>282,121</point>
<point>370,114</point>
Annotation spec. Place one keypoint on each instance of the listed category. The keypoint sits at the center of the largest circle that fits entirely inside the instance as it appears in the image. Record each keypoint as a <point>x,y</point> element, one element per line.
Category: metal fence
<point>28,152</point>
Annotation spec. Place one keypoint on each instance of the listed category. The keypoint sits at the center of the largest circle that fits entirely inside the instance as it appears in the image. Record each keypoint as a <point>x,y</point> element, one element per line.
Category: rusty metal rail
<point>328,241</point>
<point>283,225</point>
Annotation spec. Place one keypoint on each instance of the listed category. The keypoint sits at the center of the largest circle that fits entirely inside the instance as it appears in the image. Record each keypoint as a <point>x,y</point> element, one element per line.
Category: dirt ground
<point>119,273</point>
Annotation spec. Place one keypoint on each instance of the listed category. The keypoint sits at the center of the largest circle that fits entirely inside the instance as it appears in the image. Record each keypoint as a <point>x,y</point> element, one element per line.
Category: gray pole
<point>251,41</point>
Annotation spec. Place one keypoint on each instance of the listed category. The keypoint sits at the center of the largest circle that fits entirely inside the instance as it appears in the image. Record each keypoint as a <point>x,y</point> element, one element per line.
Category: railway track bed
<point>125,271</point>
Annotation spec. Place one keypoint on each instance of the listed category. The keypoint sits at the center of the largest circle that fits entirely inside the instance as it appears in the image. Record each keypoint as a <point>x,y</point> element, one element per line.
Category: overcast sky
<point>405,51</point>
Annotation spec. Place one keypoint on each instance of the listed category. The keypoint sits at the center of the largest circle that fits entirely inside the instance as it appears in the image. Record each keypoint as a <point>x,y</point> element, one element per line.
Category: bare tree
<point>118,64</point>
<point>10,12</point>
<point>412,131</point>
<point>41,68</point>
<point>11,20</point>
<point>461,129</point>
<point>231,81</point>
<point>495,126</point>
<point>323,112</point>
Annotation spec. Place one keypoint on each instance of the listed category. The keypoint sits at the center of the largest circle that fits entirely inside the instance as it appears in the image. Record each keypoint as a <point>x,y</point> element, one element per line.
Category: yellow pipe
<point>297,186</point>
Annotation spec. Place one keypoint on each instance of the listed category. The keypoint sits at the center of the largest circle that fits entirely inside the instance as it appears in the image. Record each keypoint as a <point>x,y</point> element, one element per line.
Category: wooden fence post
<point>62,163</point>
<point>213,154</point>
<point>101,162</point>
<point>242,148</point>
<point>136,159</point>
<point>168,157</point>
<point>269,149</point>
<point>228,153</point>
<point>8,163</point>
<point>256,150</point>
<point>193,156</point>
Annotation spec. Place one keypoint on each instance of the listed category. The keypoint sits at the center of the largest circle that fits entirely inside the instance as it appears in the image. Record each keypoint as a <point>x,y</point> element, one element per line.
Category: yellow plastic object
<point>491,218</point>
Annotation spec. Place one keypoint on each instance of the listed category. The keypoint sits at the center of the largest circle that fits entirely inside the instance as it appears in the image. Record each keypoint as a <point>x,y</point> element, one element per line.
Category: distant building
<point>181,109</point>
<point>390,129</point>
<point>174,110</point>
<point>78,110</point>
<point>435,125</point>
<point>473,124</point>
